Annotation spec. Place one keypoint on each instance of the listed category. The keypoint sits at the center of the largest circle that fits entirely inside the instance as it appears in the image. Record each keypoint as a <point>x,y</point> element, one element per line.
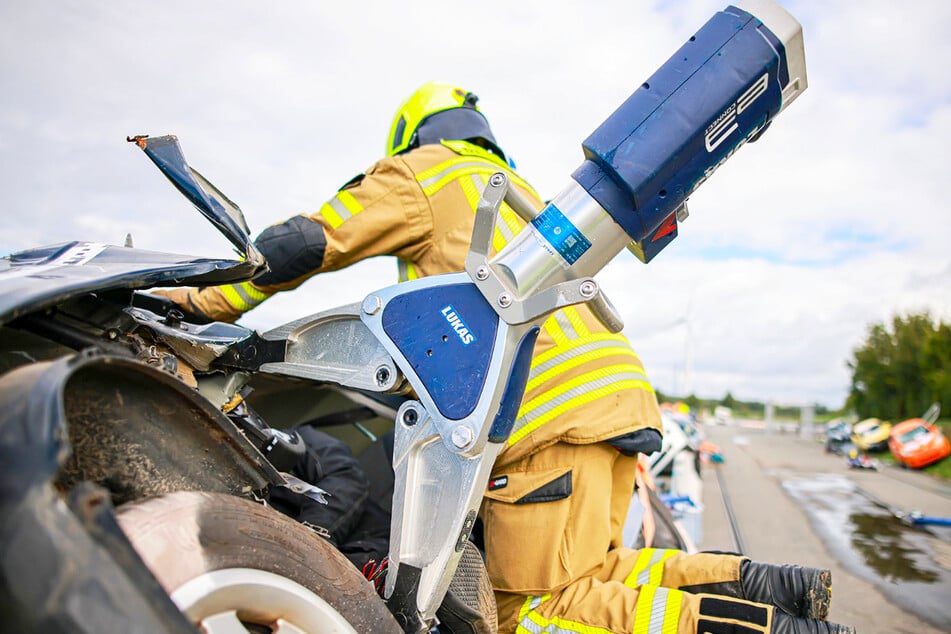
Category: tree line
<point>901,368</point>
<point>742,409</point>
<point>898,371</point>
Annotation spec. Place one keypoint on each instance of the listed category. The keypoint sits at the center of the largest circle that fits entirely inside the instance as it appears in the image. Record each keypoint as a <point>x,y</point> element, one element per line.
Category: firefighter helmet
<point>438,111</point>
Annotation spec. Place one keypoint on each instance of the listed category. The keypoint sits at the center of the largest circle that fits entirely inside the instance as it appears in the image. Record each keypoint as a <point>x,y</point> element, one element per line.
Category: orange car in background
<point>917,443</point>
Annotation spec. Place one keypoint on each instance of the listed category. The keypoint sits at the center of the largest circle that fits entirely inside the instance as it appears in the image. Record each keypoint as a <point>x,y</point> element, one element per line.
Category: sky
<point>834,220</point>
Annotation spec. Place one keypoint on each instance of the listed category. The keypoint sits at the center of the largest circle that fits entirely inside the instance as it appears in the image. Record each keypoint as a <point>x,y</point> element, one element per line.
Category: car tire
<point>231,563</point>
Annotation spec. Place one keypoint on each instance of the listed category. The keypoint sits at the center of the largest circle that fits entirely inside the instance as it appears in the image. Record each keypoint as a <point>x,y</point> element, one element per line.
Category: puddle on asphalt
<point>910,564</point>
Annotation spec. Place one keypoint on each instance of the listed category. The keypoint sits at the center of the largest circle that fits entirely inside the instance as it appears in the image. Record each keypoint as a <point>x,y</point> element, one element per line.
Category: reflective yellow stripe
<point>642,610</point>
<point>349,202</point>
<point>253,295</point>
<point>435,178</point>
<point>407,271</point>
<point>439,172</point>
<point>511,219</point>
<point>530,622</point>
<point>472,188</point>
<point>576,321</point>
<point>656,572</point>
<point>570,345</point>
<point>243,296</point>
<point>578,391</point>
<point>553,328</point>
<point>536,624</point>
<point>598,376</point>
<point>566,325</point>
<point>233,298</point>
<point>472,191</point>
<point>457,172</point>
<point>576,357</point>
<point>675,599</point>
<point>530,604</point>
<point>428,177</point>
<point>470,149</point>
<point>478,171</point>
<point>510,225</point>
<point>338,209</point>
<point>503,230</point>
<point>649,567</point>
<point>657,610</point>
<point>640,564</point>
<point>331,216</point>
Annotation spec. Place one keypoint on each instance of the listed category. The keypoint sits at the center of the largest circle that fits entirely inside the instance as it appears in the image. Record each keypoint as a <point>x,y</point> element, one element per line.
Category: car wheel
<point>232,565</point>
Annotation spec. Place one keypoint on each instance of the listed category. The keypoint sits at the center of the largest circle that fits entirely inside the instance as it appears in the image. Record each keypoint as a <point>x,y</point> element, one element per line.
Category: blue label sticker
<point>561,234</point>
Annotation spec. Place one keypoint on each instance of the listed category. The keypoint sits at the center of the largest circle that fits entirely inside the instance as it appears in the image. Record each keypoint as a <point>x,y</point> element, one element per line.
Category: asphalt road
<point>793,503</point>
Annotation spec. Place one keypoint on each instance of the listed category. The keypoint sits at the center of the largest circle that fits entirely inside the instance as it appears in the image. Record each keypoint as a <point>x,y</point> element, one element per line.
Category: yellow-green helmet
<point>438,111</point>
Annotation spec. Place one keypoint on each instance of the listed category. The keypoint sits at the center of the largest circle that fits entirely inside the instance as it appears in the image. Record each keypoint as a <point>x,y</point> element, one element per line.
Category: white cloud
<point>835,219</point>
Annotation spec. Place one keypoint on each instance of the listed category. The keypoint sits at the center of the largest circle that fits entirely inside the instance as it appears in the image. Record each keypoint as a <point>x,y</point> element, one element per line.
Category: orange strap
<point>640,486</point>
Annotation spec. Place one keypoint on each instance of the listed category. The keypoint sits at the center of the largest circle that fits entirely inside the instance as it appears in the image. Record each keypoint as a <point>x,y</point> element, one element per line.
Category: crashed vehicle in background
<point>838,436</point>
<point>871,435</point>
<point>918,442</point>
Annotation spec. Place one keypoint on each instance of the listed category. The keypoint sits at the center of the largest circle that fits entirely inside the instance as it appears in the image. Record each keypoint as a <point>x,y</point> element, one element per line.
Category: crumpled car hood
<point>39,278</point>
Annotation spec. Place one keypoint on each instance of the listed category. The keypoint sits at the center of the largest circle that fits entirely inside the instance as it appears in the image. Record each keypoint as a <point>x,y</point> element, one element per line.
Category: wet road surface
<point>910,564</point>
<point>793,503</point>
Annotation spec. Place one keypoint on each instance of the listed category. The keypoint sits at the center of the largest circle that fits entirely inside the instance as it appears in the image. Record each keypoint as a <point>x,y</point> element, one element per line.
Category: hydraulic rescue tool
<point>463,342</point>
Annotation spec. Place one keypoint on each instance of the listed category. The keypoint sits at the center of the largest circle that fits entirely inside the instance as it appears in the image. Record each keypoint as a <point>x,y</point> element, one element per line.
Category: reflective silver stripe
<point>403,269</point>
<point>658,611</point>
<point>478,182</point>
<point>529,625</point>
<point>242,296</point>
<point>526,623</point>
<point>541,368</point>
<point>250,294</point>
<point>432,180</point>
<point>656,557</point>
<point>566,326</point>
<point>337,205</point>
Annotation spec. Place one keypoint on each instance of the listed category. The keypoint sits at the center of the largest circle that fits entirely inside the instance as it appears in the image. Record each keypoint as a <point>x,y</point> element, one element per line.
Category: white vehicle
<point>723,415</point>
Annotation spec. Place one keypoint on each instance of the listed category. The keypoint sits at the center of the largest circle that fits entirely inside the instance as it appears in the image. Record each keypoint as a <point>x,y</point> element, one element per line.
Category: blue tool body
<point>447,334</point>
<point>719,90</point>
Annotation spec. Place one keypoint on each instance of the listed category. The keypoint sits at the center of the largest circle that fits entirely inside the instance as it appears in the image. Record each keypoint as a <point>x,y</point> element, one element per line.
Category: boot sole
<point>819,596</point>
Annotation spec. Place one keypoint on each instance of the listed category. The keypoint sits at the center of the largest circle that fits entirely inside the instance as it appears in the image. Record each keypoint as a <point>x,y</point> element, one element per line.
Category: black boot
<point>785,624</point>
<point>797,591</point>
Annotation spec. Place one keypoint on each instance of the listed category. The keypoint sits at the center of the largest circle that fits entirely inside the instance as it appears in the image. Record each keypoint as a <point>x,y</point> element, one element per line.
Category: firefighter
<point>561,487</point>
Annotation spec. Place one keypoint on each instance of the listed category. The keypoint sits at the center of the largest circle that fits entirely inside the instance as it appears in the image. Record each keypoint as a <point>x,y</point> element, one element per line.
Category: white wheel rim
<point>222,600</point>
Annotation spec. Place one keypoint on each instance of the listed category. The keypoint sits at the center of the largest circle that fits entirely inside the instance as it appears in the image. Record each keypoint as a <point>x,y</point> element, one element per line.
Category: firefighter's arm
<point>381,212</point>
